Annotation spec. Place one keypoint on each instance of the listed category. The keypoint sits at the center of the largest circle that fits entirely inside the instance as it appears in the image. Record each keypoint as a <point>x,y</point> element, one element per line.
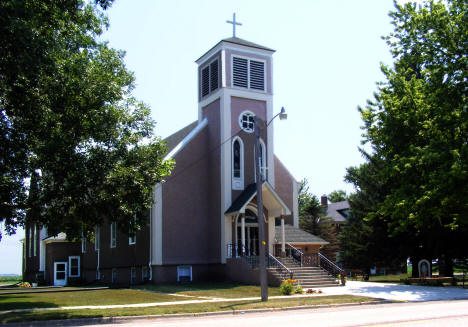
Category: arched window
<point>263,163</point>
<point>237,164</point>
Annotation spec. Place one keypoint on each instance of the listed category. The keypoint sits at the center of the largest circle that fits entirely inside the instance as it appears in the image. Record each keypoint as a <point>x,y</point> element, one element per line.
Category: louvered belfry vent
<point>210,78</point>
<point>205,81</point>
<point>214,75</point>
<point>239,72</point>
<point>257,75</point>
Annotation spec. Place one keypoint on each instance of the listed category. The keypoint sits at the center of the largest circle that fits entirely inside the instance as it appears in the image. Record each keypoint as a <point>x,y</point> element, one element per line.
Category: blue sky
<point>326,64</point>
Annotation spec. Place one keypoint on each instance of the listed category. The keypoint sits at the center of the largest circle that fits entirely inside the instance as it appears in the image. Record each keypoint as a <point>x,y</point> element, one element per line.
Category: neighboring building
<point>338,212</point>
<point>204,218</point>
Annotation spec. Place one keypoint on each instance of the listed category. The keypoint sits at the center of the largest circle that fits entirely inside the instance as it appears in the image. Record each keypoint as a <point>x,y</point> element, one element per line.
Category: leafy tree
<point>337,196</point>
<point>312,220</point>
<point>71,134</point>
<point>417,128</point>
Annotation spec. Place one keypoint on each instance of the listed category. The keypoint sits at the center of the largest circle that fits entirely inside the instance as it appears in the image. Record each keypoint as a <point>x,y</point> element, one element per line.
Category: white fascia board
<point>236,47</point>
<point>276,196</point>
<point>186,140</point>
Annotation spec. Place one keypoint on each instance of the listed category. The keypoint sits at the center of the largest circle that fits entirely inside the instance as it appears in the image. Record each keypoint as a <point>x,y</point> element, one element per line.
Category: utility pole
<point>261,223</point>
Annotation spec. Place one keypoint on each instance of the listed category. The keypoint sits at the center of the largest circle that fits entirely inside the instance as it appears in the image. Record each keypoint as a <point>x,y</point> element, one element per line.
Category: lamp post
<point>261,224</point>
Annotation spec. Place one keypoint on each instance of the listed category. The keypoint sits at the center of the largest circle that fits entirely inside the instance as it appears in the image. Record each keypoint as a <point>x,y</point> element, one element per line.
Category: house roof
<point>188,134</point>
<point>295,235</point>
<point>271,201</point>
<point>338,211</point>
<point>174,139</point>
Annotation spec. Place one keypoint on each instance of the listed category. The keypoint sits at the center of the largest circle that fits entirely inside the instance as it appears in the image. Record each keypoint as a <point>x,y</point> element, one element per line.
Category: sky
<point>327,63</point>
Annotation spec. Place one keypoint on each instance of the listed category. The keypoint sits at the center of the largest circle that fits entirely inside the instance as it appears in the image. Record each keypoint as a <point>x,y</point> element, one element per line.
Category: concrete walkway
<point>399,292</point>
<point>384,291</point>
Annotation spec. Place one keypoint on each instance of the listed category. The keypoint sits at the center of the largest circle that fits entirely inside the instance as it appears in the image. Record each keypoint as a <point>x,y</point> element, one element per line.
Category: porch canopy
<point>271,200</point>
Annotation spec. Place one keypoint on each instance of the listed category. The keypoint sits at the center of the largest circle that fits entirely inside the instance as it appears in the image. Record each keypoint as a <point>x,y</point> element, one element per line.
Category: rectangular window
<point>74,264</point>
<point>114,276</point>
<point>144,273</point>
<point>132,237</point>
<point>83,243</point>
<point>35,240</point>
<point>97,238</point>
<point>184,273</point>
<point>248,73</point>
<point>113,235</point>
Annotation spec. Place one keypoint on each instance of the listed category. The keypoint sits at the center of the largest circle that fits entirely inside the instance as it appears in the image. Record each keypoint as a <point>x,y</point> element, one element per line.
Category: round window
<point>246,121</point>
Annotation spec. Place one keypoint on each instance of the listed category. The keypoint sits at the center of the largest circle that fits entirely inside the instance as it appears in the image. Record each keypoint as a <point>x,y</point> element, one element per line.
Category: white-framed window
<point>97,238</point>
<point>114,276</point>
<point>237,164</point>
<point>83,242</point>
<point>74,266</point>
<point>210,78</point>
<point>132,237</point>
<point>133,276</point>
<point>247,121</point>
<point>113,235</point>
<point>248,73</point>
<point>144,273</point>
<point>35,240</point>
<point>184,273</point>
<point>30,241</point>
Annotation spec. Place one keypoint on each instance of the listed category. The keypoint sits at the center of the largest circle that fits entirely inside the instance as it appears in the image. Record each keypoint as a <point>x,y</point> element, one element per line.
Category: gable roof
<point>189,135</point>
<point>175,138</point>
<point>338,211</point>
<point>271,201</point>
<point>295,235</point>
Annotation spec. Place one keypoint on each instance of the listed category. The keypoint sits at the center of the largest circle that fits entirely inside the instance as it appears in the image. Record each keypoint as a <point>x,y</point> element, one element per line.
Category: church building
<point>204,223</point>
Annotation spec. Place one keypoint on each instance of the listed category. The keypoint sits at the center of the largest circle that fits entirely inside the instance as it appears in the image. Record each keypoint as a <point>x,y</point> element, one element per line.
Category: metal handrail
<point>298,252</point>
<point>280,266</point>
<point>331,267</point>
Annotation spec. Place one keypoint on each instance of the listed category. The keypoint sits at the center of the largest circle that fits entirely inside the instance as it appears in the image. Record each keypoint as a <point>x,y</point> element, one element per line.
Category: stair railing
<point>332,268</point>
<point>282,270</point>
<point>295,253</point>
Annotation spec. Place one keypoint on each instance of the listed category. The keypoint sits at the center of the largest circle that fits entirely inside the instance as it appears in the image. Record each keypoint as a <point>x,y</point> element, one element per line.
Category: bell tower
<point>234,85</point>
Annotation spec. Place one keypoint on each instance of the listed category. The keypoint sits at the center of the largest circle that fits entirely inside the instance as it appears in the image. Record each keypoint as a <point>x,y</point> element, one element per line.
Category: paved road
<point>399,292</point>
<point>435,313</point>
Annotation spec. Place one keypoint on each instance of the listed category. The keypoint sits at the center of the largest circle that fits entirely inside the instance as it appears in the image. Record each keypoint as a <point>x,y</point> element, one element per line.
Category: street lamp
<point>261,225</point>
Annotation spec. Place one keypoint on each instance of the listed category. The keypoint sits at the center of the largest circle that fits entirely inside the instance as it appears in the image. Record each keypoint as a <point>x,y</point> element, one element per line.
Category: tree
<point>70,129</point>
<point>312,220</point>
<point>337,196</point>
<point>417,128</point>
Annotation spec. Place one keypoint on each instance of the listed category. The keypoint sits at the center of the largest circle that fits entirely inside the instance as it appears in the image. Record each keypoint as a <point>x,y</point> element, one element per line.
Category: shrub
<point>298,289</point>
<point>287,286</point>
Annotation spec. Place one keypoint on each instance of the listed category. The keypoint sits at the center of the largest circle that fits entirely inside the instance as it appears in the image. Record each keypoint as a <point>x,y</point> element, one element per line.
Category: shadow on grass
<point>11,302</point>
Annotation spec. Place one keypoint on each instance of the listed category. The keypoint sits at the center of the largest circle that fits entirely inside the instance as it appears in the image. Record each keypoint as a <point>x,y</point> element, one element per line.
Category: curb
<point>121,319</point>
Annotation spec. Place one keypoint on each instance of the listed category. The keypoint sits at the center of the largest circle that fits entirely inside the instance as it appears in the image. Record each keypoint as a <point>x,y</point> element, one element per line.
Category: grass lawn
<point>185,308</point>
<point>217,290</point>
<point>96,297</point>
<point>388,278</point>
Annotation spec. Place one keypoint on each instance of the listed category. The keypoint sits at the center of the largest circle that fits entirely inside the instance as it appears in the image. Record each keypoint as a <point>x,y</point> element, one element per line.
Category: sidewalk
<point>397,292</point>
<point>157,304</point>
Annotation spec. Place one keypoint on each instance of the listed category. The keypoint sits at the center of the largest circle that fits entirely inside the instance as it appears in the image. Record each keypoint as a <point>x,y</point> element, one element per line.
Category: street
<point>435,313</point>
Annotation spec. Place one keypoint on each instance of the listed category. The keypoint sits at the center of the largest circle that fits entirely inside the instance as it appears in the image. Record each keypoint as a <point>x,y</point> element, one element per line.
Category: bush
<point>298,289</point>
<point>287,287</point>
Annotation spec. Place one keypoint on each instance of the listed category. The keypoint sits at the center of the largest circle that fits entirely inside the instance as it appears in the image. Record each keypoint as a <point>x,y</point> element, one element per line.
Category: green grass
<point>96,297</point>
<point>388,278</point>
<point>217,290</point>
<point>186,308</point>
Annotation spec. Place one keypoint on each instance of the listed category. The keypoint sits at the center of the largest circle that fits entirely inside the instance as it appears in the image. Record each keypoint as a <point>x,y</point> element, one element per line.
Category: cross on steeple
<point>234,23</point>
